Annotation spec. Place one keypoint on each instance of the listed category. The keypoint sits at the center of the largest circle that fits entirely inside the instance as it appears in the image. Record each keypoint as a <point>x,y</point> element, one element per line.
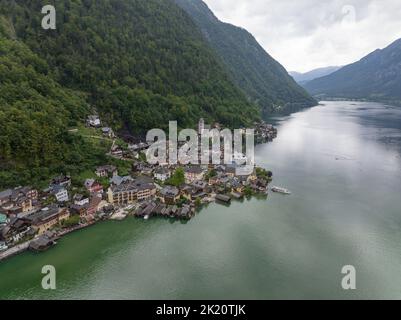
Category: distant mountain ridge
<point>262,78</point>
<point>375,77</point>
<point>303,78</point>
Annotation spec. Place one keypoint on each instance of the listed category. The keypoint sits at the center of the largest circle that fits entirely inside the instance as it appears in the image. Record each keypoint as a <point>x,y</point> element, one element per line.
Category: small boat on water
<point>280,190</point>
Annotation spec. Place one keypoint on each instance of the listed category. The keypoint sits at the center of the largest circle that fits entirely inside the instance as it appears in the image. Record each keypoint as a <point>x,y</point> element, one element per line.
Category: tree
<point>248,192</point>
<point>198,202</point>
<point>72,221</point>
<point>177,179</point>
<point>212,173</point>
<point>264,174</point>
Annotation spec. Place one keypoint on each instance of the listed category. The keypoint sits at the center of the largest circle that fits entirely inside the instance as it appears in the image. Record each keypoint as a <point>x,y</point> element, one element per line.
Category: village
<point>32,219</point>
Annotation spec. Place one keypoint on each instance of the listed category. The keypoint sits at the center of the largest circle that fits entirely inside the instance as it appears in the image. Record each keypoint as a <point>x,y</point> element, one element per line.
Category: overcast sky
<point>309,34</point>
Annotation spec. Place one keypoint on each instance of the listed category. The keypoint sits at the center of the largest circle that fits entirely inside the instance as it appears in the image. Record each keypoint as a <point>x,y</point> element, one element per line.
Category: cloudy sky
<point>308,34</point>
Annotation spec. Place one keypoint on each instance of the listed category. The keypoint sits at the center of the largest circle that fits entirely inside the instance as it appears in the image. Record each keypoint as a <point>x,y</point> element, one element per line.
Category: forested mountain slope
<point>141,62</point>
<point>138,63</point>
<point>375,77</point>
<point>261,77</point>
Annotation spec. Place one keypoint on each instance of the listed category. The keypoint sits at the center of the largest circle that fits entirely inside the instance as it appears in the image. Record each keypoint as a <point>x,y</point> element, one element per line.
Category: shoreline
<point>24,247</point>
<point>173,192</point>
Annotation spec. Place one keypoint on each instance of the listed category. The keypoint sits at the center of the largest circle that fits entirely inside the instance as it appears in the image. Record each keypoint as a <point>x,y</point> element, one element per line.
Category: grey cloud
<point>305,34</point>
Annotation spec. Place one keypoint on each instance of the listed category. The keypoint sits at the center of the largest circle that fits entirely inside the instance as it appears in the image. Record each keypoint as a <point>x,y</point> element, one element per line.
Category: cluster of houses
<point>26,213</point>
<point>202,184</point>
<point>264,132</point>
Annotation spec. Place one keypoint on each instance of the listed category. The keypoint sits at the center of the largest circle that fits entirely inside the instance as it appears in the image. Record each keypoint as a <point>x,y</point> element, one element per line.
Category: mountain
<point>138,63</point>
<point>35,113</point>
<point>376,77</point>
<point>303,78</point>
<point>263,79</point>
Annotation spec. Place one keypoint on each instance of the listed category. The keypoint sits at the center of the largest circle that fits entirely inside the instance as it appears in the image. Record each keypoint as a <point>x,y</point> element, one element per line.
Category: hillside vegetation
<point>375,77</point>
<point>138,63</point>
<point>263,79</point>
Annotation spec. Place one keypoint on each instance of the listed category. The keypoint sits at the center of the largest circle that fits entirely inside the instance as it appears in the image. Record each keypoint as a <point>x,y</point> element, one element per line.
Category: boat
<point>147,217</point>
<point>280,190</point>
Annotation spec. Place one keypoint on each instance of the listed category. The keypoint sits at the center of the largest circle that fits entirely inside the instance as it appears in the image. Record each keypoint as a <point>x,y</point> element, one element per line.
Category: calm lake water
<point>342,161</point>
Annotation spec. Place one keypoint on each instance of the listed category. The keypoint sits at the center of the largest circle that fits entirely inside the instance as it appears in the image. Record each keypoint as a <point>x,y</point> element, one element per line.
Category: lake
<point>342,162</point>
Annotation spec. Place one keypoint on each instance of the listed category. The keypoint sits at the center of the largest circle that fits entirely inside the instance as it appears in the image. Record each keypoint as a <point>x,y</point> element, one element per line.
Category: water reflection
<point>341,162</point>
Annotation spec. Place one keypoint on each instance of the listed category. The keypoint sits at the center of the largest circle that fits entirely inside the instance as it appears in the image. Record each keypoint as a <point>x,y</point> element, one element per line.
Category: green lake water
<point>342,162</point>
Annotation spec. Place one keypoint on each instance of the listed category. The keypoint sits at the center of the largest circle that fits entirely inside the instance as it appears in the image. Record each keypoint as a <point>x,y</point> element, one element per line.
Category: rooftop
<point>194,170</point>
<point>43,215</point>
<point>170,191</point>
<point>162,170</point>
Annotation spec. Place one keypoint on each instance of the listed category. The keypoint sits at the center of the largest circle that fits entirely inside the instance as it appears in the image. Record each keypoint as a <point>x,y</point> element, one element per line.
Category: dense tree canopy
<point>35,114</point>
<point>139,63</point>
<point>263,79</point>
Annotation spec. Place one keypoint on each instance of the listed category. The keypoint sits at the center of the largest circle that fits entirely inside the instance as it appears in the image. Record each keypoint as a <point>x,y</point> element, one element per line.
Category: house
<point>214,180</point>
<point>145,190</point>
<point>27,192</point>
<point>93,186</point>
<point>61,181</point>
<point>231,170</point>
<point>108,132</point>
<point>93,207</point>
<point>252,177</point>
<point>47,218</point>
<point>200,185</point>
<point>15,231</point>
<point>261,184</point>
<point>93,121</point>
<point>80,200</point>
<point>185,212</point>
<point>117,152</point>
<point>122,194</point>
<point>187,191</point>
<point>79,210</point>
<point>43,242</point>
<point>237,186</point>
<point>147,170</point>
<point>223,198</point>
<point>14,201</point>
<point>193,173</point>
<point>117,180</point>
<point>61,194</point>
<point>23,203</point>
<point>130,192</point>
<point>89,209</point>
<point>133,147</point>
<point>169,195</point>
<point>5,196</point>
<point>142,146</point>
<point>162,174</point>
<point>106,171</point>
